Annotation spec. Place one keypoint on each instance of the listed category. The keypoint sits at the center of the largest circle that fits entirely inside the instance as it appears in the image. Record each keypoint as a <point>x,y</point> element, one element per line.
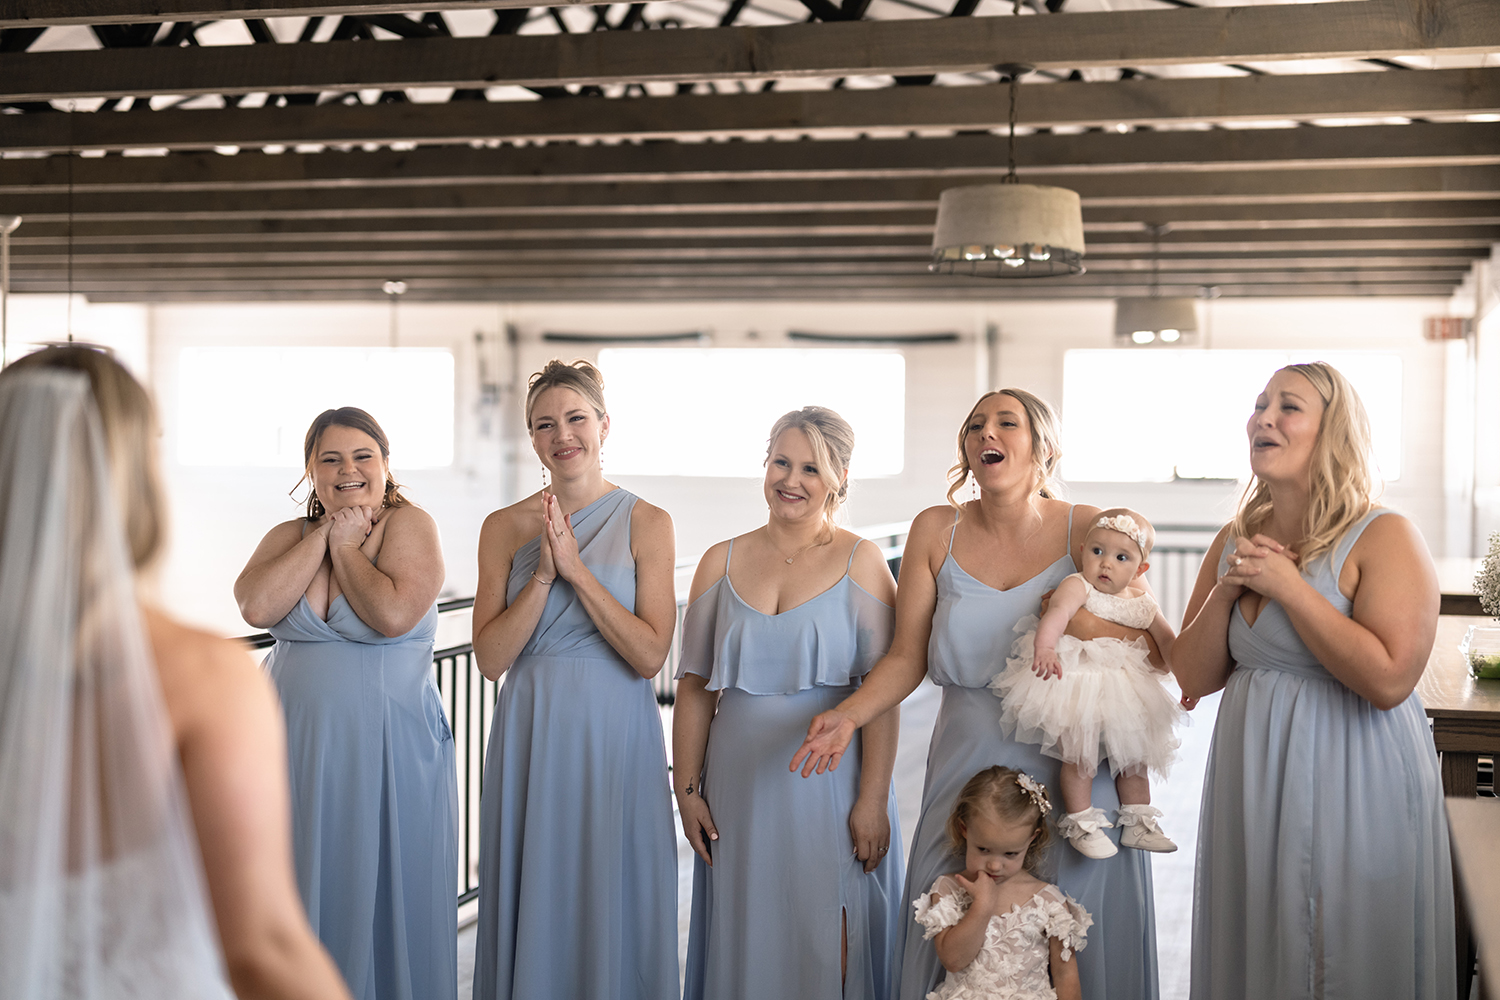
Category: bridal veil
<point>101,888</point>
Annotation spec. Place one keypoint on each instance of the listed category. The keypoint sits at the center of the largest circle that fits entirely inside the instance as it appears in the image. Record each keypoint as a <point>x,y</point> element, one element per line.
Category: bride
<point>109,712</point>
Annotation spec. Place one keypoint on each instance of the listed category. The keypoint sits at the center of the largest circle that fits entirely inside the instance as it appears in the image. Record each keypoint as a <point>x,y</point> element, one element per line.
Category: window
<point>707,411</point>
<point>1150,416</point>
<point>251,406</point>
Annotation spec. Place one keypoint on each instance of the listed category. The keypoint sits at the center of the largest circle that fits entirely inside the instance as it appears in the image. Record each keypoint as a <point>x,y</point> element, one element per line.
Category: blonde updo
<point>832,441</point>
<point>580,376</point>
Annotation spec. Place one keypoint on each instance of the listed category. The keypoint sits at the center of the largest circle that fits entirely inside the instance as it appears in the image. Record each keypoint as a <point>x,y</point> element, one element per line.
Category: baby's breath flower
<point>1487,580</point>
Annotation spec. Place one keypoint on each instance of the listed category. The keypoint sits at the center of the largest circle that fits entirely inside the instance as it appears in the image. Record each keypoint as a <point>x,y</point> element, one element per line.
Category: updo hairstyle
<point>997,789</point>
<point>832,441</point>
<point>1046,444</point>
<point>580,376</point>
<point>355,418</point>
<point>130,430</point>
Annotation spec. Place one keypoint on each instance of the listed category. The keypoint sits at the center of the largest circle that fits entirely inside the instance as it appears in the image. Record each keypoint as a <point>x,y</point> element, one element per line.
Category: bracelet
<point>544,583</point>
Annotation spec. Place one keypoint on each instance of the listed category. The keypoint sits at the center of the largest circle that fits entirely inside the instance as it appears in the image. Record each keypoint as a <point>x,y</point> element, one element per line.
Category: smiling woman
<point>348,593</point>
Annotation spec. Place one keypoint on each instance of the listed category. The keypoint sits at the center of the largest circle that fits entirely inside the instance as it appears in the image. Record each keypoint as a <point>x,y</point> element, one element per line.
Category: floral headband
<point>1127,526</point>
<point>1034,791</point>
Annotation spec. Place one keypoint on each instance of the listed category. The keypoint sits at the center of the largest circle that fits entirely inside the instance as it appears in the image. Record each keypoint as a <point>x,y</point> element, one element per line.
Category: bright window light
<point>251,406</point>
<point>706,412</point>
<point>1151,416</point>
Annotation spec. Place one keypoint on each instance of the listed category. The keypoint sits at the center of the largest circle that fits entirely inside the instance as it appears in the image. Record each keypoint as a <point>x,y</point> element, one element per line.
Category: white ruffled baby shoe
<point>1085,831</point>
<point>1142,831</point>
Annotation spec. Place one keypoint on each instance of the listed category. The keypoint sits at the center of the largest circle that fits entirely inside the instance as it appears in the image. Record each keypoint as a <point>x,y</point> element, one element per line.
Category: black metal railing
<point>469,697</point>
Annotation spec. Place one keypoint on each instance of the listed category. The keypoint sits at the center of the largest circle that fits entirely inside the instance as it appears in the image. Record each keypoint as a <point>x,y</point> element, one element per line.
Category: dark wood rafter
<point>27,13</point>
<point>1150,102</point>
<point>842,48</point>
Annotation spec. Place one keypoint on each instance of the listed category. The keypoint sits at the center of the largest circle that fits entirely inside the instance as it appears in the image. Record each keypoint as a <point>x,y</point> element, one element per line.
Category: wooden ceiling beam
<point>1416,94</point>
<point>1259,33</point>
<point>34,13</point>
<point>1162,188</point>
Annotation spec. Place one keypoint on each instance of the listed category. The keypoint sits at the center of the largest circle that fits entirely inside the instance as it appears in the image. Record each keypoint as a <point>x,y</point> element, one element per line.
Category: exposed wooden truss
<point>1378,180</point>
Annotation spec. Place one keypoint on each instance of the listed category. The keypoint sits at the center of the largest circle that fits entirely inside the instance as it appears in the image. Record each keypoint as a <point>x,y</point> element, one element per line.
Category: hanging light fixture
<point>1156,319</point>
<point>1010,229</point>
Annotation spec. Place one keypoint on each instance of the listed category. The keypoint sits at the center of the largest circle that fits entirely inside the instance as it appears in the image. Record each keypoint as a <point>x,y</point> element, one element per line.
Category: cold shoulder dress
<point>374,799</point>
<point>1323,866</point>
<point>577,862</point>
<point>971,627</point>
<point>767,917</point>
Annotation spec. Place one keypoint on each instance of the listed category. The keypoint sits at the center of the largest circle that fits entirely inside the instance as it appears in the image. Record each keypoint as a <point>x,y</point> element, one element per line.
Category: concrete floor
<point>1178,798</point>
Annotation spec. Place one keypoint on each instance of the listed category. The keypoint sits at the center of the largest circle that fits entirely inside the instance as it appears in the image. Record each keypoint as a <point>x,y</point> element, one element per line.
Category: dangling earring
<point>544,477</point>
<point>601,457</point>
<point>973,486</point>
<point>315,507</point>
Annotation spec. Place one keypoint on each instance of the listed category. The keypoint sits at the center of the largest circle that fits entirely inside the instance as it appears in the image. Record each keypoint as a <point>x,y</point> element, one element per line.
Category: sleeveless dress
<point>1015,961</point>
<point>577,857</point>
<point>1109,701</point>
<point>1323,866</point>
<point>969,625</point>
<point>766,917</point>
<point>374,799</point>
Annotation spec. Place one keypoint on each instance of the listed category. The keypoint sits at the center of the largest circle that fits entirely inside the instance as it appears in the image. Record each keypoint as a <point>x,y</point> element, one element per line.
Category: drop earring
<point>973,486</point>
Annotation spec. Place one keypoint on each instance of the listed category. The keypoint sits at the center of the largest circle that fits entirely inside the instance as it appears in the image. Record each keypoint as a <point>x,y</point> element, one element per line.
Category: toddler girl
<point>1082,699</point>
<point>999,930</point>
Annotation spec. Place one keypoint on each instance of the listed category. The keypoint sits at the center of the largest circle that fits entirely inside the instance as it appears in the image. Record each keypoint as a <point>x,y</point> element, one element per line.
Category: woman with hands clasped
<point>348,591</point>
<point>575,608</point>
<point>969,573</point>
<point>1323,865</point>
<point>797,884</point>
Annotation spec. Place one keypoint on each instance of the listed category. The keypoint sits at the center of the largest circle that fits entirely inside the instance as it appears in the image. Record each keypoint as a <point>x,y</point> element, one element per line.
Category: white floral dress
<point>1015,961</point>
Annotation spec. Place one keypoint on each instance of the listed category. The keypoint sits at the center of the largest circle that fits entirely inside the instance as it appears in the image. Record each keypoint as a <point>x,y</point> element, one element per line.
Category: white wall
<point>220,513</point>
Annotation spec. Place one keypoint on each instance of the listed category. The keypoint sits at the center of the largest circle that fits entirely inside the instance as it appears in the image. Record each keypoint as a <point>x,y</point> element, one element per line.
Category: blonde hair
<point>1140,521</point>
<point>1340,477</point>
<point>355,419</point>
<point>832,441</point>
<point>1046,444</point>
<point>580,376</point>
<point>999,790</point>
<point>130,429</point>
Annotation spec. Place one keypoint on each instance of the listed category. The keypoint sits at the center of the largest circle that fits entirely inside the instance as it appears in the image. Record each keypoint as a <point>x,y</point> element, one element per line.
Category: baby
<point>1084,699</point>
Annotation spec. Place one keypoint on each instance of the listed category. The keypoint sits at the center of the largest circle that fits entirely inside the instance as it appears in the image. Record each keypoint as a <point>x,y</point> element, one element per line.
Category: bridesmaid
<point>969,573</point>
<point>348,593</point>
<point>578,864</point>
<point>1323,864</point>
<point>793,892</point>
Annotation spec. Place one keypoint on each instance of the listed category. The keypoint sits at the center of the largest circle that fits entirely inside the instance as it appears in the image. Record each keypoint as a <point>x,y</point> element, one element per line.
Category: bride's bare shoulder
<point>206,679</point>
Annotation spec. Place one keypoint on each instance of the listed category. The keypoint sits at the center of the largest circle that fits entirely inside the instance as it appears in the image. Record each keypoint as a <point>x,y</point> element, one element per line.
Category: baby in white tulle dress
<point>1086,699</point>
<point>1001,932</point>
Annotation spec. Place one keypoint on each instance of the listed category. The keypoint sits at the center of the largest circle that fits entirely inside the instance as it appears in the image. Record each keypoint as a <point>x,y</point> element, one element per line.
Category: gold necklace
<point>815,541</point>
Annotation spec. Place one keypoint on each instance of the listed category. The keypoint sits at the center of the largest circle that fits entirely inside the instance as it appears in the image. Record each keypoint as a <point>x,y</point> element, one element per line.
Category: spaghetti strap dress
<point>767,917</point>
<point>971,626</point>
<point>577,856</point>
<point>374,799</point>
<point>1323,866</point>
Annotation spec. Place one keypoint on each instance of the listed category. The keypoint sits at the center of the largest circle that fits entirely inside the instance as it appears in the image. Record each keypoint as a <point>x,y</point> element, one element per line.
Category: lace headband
<point>1127,526</point>
<point>1035,791</point>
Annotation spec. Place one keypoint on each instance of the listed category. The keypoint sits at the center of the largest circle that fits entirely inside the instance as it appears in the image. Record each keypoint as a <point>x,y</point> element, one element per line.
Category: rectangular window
<point>707,411</point>
<point>251,406</point>
<point>1152,416</point>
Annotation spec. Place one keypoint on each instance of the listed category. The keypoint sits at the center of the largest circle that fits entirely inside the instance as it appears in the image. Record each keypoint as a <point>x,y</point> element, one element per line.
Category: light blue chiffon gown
<point>577,862</point>
<point>972,629</point>
<point>374,799</point>
<point>1323,866</point>
<point>767,917</point>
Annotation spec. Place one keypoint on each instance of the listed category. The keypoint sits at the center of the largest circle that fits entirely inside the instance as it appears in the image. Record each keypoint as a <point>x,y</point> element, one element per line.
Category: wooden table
<point>1465,716</point>
<point>1456,586</point>
<point>1474,824</point>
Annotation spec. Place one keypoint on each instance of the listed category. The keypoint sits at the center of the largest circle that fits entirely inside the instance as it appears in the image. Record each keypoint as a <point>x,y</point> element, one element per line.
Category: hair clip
<point>1127,526</point>
<point>1035,791</point>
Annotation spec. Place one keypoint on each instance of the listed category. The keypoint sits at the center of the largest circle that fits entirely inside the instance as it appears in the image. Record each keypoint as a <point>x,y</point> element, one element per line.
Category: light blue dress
<point>767,917</point>
<point>972,629</point>
<point>1323,865</point>
<point>577,856</point>
<point>374,799</point>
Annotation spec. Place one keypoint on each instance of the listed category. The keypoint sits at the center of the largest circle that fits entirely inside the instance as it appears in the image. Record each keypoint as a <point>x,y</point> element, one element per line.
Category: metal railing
<point>470,698</point>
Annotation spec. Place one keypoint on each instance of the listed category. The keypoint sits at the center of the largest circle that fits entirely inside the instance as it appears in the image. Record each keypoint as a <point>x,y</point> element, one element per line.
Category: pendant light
<point>1155,319</point>
<point>1010,229</point>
